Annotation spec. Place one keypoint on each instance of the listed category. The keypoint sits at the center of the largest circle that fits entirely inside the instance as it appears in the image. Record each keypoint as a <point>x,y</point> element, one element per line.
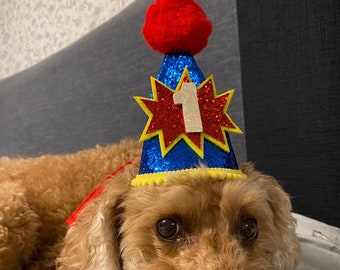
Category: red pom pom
<point>176,26</point>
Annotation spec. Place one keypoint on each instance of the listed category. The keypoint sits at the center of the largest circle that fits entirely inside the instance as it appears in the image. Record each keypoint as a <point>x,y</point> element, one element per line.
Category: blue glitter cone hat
<point>187,121</point>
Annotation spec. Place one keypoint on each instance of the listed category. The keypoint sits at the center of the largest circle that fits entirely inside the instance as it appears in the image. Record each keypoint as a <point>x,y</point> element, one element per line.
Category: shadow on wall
<point>291,88</point>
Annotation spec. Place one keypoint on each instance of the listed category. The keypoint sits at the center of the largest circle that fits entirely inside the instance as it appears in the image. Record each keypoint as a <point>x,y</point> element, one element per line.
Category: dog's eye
<point>249,229</point>
<point>167,228</point>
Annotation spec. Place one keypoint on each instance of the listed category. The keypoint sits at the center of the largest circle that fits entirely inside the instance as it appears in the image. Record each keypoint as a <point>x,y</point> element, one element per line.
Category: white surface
<point>320,244</point>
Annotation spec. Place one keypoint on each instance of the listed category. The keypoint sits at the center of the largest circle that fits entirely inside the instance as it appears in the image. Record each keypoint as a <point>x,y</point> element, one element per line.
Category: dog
<point>191,221</point>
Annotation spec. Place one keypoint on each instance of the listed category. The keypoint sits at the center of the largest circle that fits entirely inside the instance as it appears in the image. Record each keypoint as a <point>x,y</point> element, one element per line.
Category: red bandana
<point>95,193</point>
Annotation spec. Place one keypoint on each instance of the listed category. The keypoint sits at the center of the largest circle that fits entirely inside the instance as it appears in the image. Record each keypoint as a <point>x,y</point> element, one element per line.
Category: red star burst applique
<point>170,119</point>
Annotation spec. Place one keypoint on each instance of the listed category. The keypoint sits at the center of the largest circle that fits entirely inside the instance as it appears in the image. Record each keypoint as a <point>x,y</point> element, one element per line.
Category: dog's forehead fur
<point>199,201</point>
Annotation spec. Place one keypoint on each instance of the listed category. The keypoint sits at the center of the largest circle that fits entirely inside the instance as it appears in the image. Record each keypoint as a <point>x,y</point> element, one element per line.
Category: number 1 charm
<point>187,97</point>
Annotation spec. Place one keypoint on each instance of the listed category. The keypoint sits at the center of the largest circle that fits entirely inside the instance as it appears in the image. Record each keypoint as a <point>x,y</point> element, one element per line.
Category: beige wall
<point>31,30</point>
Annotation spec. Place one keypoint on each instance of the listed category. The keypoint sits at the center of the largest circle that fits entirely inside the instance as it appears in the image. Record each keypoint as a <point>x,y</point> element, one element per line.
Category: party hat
<point>188,124</point>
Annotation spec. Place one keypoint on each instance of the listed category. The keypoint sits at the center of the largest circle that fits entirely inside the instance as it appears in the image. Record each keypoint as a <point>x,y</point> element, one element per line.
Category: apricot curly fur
<point>117,230</point>
<point>38,194</point>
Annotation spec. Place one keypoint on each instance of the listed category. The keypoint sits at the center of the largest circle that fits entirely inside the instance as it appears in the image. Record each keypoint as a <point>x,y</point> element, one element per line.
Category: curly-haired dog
<point>192,221</point>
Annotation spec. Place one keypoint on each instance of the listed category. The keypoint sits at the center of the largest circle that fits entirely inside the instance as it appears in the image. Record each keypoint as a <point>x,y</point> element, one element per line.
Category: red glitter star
<point>213,109</point>
<point>166,118</point>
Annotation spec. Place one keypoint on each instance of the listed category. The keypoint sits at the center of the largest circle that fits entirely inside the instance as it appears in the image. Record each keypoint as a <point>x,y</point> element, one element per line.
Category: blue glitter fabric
<point>173,66</point>
<point>181,155</point>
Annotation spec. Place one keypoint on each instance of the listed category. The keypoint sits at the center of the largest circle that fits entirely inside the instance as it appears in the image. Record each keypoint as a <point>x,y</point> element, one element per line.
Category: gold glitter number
<point>187,97</point>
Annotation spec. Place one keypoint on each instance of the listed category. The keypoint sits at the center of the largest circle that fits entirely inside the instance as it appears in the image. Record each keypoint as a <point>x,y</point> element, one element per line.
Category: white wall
<point>31,30</point>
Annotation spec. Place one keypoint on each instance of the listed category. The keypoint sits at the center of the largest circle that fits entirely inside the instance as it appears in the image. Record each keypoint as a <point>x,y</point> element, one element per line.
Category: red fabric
<point>176,26</point>
<point>95,193</point>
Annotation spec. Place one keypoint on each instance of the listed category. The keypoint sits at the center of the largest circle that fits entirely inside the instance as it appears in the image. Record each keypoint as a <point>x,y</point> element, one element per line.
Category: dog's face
<point>192,221</point>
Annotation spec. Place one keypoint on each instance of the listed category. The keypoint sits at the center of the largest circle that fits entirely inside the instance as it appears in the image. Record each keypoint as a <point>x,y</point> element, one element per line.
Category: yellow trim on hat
<point>159,178</point>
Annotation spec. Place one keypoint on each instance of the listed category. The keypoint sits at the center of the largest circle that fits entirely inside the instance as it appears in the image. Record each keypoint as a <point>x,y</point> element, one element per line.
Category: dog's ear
<point>284,223</point>
<point>277,198</point>
<point>92,242</point>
